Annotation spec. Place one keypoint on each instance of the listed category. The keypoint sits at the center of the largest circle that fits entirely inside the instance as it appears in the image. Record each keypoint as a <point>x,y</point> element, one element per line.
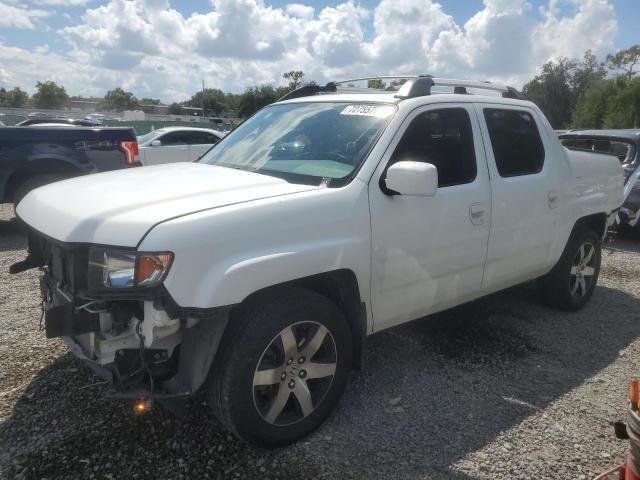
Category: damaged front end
<point>113,312</point>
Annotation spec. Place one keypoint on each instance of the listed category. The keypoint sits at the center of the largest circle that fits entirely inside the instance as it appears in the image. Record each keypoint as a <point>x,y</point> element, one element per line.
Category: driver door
<point>428,253</point>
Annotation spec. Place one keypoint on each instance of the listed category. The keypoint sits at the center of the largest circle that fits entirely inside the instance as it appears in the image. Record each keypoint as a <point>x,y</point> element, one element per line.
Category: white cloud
<point>154,50</point>
<point>62,3</point>
<point>19,16</point>
<point>299,10</point>
<point>42,49</point>
<point>593,25</point>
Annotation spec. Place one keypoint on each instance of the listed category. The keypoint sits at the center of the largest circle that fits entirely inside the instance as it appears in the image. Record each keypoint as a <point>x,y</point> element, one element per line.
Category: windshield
<point>312,143</point>
<point>148,136</point>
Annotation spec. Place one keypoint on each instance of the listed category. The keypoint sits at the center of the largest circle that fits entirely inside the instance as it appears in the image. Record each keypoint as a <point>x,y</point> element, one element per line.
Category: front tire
<point>571,283</point>
<point>282,368</point>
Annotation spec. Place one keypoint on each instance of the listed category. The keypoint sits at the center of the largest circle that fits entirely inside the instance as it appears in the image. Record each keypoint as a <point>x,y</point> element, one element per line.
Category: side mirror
<point>156,143</point>
<point>412,178</point>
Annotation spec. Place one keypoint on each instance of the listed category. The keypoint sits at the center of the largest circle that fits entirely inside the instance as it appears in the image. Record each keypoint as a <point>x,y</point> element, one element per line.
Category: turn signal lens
<point>124,269</point>
<point>151,268</point>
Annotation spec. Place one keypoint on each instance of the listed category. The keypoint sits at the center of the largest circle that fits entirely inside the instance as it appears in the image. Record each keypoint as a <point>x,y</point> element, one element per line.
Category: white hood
<point>118,208</point>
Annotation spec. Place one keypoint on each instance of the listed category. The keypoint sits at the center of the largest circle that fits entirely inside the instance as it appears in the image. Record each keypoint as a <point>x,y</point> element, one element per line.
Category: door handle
<point>476,213</point>
<point>553,197</point>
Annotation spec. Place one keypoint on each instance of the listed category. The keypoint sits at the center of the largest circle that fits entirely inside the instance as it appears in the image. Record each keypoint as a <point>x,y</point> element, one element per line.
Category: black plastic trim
<point>308,90</point>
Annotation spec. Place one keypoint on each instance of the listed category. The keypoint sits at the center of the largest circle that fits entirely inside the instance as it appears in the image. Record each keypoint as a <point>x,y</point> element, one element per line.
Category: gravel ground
<point>501,388</point>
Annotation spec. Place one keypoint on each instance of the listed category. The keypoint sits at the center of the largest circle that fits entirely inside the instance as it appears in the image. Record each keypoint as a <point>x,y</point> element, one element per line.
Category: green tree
<point>212,100</point>
<point>624,106</point>
<point>175,108</point>
<point>376,83</point>
<point>625,60</point>
<point>552,91</point>
<point>586,74</point>
<point>295,78</point>
<point>232,101</point>
<point>119,100</point>
<point>16,98</point>
<point>591,109</point>
<point>149,101</point>
<point>255,98</point>
<point>50,95</point>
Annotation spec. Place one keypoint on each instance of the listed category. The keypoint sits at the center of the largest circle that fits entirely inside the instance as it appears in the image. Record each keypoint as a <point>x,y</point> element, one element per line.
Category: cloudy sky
<point>165,48</point>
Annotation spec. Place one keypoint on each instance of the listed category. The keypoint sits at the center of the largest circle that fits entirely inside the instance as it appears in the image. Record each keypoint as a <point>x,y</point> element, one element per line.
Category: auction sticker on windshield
<point>379,111</point>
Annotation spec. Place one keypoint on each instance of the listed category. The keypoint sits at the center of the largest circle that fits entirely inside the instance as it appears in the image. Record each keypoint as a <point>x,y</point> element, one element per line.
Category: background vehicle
<point>96,117</point>
<point>62,121</point>
<point>176,144</point>
<point>625,146</point>
<point>35,156</point>
<point>257,272</point>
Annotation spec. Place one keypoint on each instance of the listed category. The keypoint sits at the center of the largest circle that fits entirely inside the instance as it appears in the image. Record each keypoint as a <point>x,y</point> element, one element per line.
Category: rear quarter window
<point>515,140</point>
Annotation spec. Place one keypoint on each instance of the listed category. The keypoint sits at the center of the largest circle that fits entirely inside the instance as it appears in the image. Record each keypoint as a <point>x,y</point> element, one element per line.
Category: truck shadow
<point>431,393</point>
<point>12,235</point>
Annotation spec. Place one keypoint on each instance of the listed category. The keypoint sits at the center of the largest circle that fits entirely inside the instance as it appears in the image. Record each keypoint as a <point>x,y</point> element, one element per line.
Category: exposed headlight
<point>126,269</point>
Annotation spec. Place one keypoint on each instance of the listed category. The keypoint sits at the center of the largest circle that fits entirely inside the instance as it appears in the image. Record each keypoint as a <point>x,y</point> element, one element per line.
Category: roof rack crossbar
<point>416,87</point>
<point>513,93</point>
<point>450,82</point>
<point>376,77</point>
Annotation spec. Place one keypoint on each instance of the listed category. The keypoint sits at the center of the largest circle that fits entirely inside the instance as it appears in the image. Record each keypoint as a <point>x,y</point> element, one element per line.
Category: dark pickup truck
<point>34,156</point>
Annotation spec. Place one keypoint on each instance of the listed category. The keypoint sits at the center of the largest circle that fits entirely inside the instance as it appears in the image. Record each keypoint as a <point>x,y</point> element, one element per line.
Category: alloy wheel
<point>582,270</point>
<point>294,373</point>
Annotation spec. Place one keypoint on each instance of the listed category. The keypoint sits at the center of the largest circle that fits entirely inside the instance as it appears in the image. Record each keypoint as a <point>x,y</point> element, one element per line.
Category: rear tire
<point>282,367</point>
<point>571,283</point>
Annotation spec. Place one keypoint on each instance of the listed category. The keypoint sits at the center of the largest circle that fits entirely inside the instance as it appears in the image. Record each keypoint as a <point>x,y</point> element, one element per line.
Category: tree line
<point>580,94</point>
<point>573,93</point>
<point>51,96</point>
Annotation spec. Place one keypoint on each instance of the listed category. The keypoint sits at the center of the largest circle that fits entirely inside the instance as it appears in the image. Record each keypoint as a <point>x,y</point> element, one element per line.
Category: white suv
<point>258,272</point>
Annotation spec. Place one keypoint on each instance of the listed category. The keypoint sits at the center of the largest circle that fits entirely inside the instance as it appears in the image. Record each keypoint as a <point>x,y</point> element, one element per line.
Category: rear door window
<point>515,140</point>
<point>176,138</point>
<point>199,138</point>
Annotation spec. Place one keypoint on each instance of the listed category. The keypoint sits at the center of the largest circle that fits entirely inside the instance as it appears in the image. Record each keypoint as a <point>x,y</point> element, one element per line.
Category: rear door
<point>174,147</point>
<point>428,253</point>
<point>526,195</point>
<point>201,142</point>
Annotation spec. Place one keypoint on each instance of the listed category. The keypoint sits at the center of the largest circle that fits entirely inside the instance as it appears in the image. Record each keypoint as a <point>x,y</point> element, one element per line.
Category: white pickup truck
<point>257,272</point>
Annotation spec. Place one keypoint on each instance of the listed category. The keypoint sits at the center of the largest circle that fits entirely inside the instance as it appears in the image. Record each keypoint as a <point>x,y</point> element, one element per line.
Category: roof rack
<point>413,86</point>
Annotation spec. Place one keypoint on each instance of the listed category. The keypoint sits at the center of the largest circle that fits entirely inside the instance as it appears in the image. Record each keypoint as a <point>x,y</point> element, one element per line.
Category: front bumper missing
<point>98,369</point>
<point>106,374</point>
<point>61,317</point>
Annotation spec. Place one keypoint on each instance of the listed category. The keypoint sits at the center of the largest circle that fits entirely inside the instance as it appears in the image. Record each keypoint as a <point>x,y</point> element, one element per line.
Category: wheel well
<point>341,287</point>
<point>596,222</point>
<point>34,168</point>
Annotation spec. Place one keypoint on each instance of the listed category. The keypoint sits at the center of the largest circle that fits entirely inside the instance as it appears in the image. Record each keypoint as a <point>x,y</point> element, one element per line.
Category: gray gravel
<point>501,388</point>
